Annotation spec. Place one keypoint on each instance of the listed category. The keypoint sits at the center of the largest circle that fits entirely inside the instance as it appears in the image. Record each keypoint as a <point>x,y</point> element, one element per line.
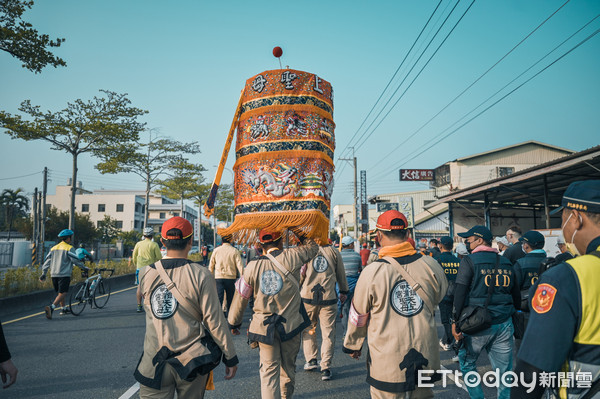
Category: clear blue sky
<point>186,62</point>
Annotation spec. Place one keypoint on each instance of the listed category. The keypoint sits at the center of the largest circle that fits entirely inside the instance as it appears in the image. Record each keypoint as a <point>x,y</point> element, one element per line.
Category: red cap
<point>267,235</point>
<point>384,221</point>
<point>177,222</point>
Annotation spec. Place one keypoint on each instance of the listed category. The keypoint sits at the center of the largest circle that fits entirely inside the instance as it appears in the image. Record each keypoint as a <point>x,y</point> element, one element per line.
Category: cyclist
<point>83,254</point>
<point>60,261</point>
<point>146,252</point>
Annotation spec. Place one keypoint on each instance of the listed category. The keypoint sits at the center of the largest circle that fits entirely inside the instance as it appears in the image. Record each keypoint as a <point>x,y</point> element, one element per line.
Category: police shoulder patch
<point>270,282</point>
<point>543,298</point>
<point>404,300</point>
<point>162,302</point>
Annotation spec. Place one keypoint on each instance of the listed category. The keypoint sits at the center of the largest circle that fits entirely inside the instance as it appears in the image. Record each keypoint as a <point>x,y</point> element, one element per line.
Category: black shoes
<point>311,365</point>
<point>326,375</point>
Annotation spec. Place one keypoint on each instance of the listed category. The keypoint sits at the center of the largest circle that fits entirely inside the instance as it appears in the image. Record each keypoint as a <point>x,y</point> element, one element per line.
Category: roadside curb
<point>36,300</point>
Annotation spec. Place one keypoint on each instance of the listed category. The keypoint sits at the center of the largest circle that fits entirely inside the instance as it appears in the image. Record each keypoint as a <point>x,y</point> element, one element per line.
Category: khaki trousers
<point>326,317</point>
<point>419,393</point>
<point>171,382</point>
<point>278,368</point>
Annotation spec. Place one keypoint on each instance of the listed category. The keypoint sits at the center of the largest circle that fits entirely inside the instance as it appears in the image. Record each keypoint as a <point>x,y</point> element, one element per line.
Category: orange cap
<point>385,219</point>
<point>267,235</point>
<point>179,223</point>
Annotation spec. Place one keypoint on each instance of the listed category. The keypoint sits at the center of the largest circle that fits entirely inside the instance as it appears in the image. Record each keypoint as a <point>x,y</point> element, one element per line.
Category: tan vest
<point>322,273</point>
<point>172,334</point>
<point>277,304</point>
<point>398,320</point>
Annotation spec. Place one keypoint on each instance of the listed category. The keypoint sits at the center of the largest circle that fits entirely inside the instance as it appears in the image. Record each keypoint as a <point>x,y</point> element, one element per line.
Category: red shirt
<point>364,255</point>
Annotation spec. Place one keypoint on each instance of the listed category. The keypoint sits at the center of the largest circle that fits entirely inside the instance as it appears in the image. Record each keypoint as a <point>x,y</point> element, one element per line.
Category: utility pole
<point>43,224</point>
<point>355,207</point>
<point>34,238</point>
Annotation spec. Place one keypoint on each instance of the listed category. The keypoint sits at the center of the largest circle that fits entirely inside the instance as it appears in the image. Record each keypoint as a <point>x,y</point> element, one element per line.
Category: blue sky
<point>186,62</point>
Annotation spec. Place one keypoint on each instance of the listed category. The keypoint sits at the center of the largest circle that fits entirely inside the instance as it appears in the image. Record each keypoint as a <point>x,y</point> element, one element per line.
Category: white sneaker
<point>444,346</point>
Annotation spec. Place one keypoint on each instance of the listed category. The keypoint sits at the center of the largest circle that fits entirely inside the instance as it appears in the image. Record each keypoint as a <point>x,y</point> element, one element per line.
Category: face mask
<point>571,245</point>
<point>468,245</point>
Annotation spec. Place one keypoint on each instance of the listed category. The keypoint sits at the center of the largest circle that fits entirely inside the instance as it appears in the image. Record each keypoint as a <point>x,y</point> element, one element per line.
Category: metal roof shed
<point>538,189</point>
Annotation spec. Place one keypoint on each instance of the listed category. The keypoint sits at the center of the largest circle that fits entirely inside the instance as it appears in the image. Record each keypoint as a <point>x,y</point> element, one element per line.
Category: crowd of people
<point>490,298</point>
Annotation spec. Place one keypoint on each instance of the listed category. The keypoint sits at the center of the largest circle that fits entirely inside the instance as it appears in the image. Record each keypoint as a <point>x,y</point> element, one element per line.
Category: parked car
<point>194,249</point>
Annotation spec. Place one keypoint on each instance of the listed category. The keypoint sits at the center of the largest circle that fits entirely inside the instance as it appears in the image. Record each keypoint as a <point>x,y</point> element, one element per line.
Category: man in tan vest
<point>226,265</point>
<point>320,300</point>
<point>279,316</point>
<point>393,306</point>
<point>186,332</point>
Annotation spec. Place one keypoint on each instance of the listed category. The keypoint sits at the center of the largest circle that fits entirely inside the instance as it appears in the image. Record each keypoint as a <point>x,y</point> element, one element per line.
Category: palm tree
<point>15,204</point>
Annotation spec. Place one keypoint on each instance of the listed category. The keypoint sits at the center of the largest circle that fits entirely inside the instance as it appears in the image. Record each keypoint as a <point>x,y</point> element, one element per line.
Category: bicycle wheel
<point>101,294</point>
<point>77,299</point>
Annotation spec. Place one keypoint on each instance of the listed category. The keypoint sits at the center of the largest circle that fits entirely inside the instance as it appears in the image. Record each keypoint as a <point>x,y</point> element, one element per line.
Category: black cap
<point>581,195</point>
<point>533,238</point>
<point>446,240</point>
<point>478,231</point>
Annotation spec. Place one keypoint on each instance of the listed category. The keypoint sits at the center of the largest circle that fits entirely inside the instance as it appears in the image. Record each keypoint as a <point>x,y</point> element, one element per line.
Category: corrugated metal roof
<point>566,151</point>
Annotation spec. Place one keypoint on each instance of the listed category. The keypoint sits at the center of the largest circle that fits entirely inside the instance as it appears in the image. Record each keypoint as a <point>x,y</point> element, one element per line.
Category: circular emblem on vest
<point>405,301</point>
<point>270,282</point>
<point>162,302</point>
<point>320,264</point>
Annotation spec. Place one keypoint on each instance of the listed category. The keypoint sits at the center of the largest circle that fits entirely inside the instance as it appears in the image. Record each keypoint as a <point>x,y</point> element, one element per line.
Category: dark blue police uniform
<point>450,265</point>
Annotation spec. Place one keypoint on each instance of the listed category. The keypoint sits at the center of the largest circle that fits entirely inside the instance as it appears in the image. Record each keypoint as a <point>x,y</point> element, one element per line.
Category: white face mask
<point>571,245</point>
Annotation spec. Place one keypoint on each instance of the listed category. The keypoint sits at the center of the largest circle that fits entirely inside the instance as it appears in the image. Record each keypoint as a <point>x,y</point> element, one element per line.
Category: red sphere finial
<point>277,51</point>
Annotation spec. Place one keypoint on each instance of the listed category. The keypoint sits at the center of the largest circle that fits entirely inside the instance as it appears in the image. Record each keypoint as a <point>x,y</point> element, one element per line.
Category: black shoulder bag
<point>475,318</point>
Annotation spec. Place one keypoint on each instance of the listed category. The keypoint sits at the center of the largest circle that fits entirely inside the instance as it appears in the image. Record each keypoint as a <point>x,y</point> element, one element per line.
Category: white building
<point>456,175</point>
<point>126,207</point>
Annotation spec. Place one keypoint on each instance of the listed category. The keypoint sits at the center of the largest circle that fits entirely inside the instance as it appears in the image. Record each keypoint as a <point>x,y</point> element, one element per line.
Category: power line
<point>408,73</point>
<point>394,75</point>
<point>348,146</point>
<point>18,177</point>
<point>468,87</point>
<point>418,74</point>
<point>503,97</point>
<point>509,83</point>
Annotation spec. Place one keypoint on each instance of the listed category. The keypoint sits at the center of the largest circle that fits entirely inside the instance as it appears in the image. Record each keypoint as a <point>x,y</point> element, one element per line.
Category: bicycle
<point>95,290</point>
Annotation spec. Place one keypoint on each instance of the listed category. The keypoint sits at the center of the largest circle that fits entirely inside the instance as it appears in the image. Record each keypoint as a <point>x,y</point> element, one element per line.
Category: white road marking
<point>131,391</point>
<point>451,376</point>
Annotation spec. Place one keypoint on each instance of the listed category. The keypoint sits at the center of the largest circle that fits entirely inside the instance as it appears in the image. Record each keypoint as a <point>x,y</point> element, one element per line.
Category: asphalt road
<point>94,356</point>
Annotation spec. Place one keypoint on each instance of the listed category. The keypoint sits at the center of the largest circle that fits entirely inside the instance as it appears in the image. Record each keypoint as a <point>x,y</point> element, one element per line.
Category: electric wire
<point>380,176</point>
<point>468,87</point>
<point>19,177</point>
<point>408,73</point>
<point>505,96</point>
<point>348,146</point>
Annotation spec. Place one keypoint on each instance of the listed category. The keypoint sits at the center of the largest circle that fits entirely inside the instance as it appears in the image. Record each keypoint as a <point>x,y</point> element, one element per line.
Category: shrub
<point>24,280</point>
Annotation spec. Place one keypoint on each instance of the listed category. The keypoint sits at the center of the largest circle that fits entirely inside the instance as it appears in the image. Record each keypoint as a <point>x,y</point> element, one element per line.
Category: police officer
<point>449,263</point>
<point>320,300</point>
<point>393,307</point>
<point>482,268</point>
<point>279,315</point>
<point>563,333</point>
<point>526,268</point>
<point>186,332</point>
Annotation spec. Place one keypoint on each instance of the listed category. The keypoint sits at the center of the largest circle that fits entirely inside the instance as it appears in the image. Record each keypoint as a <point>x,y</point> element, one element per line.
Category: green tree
<point>107,229</point>
<point>19,39</point>
<point>56,221</point>
<point>182,181</point>
<point>15,205</point>
<point>224,203</point>
<point>151,161</point>
<point>106,127</point>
